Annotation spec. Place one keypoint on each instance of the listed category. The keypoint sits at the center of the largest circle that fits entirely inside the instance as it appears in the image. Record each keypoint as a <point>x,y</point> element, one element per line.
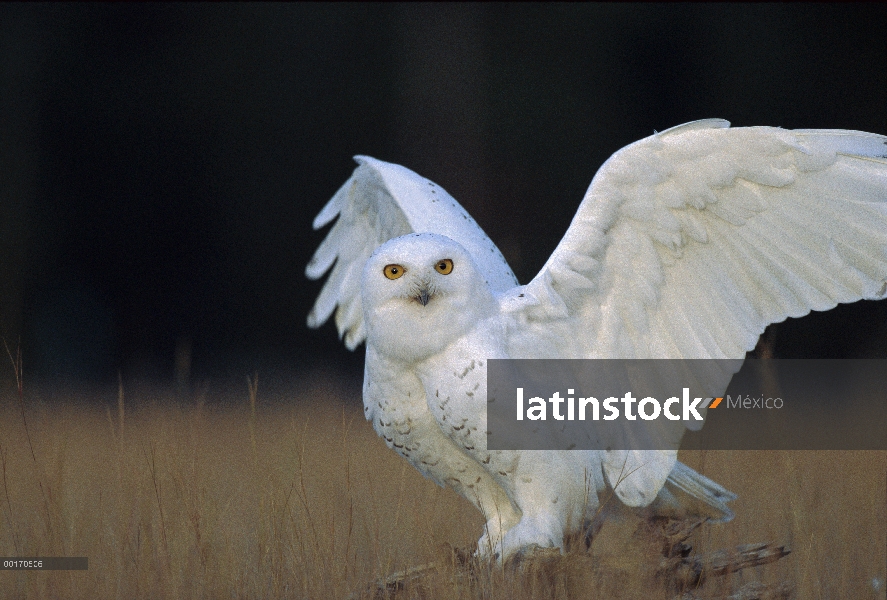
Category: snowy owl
<point>687,244</point>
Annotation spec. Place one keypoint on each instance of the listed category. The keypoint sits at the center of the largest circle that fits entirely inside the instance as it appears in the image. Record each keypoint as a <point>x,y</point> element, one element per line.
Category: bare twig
<point>19,380</point>
<point>253,385</point>
<point>152,466</point>
<point>695,570</point>
<point>15,540</point>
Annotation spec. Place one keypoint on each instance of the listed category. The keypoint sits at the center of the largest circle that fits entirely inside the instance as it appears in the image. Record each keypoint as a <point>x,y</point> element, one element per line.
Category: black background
<point>160,165</point>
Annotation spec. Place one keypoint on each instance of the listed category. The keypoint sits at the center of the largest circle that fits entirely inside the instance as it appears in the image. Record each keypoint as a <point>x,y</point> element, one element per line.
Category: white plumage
<point>687,244</point>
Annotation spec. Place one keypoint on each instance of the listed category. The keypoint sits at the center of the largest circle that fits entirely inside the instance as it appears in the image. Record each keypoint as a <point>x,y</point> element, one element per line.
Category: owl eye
<point>444,267</point>
<point>393,271</point>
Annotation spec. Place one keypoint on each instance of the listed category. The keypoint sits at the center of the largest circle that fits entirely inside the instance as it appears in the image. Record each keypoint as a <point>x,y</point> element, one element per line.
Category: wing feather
<point>690,242</point>
<point>381,201</point>
<point>718,232</point>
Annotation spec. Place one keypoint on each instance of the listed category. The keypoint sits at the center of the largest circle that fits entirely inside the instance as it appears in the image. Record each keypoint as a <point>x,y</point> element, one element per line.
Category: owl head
<point>420,292</point>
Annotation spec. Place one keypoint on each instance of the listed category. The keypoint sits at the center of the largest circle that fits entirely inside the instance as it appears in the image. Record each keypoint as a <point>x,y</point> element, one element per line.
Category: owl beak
<point>423,297</point>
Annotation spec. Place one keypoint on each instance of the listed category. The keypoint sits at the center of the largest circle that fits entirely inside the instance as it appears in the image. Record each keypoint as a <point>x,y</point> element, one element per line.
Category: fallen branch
<point>677,572</point>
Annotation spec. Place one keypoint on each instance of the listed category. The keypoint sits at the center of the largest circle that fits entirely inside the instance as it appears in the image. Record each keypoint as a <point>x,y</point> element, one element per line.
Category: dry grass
<point>295,497</point>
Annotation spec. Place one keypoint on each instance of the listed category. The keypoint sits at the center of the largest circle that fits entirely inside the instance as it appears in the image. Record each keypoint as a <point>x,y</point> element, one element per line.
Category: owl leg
<point>553,497</point>
<point>500,515</point>
<point>490,543</point>
<point>542,530</point>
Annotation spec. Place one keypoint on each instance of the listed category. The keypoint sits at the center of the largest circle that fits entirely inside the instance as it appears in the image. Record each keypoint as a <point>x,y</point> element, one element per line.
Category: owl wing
<point>690,242</point>
<point>379,202</point>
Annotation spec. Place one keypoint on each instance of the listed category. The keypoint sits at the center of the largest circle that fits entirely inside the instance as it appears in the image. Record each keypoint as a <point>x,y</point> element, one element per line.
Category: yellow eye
<point>444,267</point>
<point>393,271</point>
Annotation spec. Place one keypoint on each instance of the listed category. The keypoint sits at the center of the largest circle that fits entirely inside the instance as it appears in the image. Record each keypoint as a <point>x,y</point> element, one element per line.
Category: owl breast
<point>455,382</point>
<point>395,402</point>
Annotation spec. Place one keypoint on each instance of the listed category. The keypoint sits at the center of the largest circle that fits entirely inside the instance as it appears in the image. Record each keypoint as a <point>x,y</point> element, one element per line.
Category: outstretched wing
<point>379,202</point>
<point>690,242</point>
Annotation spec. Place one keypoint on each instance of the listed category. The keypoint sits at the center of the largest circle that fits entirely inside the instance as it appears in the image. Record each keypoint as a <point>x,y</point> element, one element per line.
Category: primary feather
<point>687,244</point>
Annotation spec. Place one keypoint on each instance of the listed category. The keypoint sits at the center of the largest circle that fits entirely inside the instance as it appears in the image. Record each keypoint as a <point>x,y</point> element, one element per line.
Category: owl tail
<point>688,494</point>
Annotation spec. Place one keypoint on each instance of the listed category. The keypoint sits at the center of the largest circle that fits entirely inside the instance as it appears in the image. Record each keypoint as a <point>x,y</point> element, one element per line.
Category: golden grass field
<point>296,497</point>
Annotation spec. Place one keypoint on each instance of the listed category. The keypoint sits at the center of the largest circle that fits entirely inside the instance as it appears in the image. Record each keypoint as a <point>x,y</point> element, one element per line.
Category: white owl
<point>687,245</point>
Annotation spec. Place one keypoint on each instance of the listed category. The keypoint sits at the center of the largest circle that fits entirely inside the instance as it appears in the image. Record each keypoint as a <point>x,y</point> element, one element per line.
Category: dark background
<point>160,165</point>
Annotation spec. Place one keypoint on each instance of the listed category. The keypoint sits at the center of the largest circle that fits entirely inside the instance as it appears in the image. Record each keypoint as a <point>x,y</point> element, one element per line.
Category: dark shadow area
<point>160,165</point>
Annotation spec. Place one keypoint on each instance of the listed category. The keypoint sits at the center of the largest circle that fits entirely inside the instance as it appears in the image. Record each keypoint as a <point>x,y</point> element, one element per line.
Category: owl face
<point>420,292</point>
